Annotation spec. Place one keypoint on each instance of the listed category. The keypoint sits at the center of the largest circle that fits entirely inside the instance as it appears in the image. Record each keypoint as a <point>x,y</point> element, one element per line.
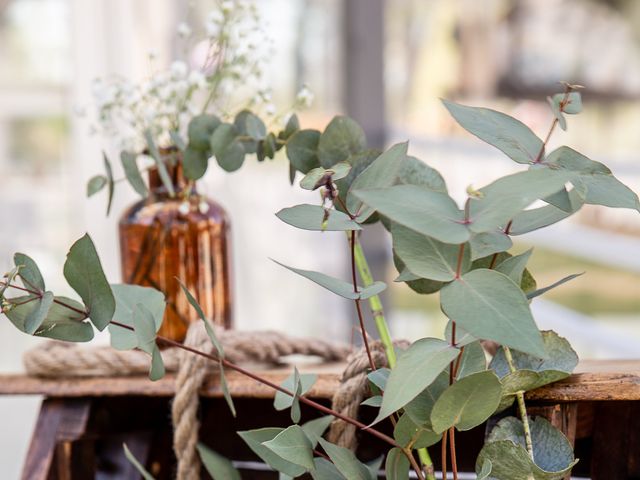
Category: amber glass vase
<point>186,237</point>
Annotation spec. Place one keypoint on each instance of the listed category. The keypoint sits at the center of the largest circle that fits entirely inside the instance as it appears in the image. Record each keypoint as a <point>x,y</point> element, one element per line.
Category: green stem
<point>522,408</point>
<point>385,337</point>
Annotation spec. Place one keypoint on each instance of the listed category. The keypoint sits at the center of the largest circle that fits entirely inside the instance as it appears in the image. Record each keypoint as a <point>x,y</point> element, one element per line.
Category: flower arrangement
<point>218,85</point>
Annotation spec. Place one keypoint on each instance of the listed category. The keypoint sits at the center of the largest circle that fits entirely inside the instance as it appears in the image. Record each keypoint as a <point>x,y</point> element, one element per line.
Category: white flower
<point>184,208</point>
<point>227,6</point>
<point>305,97</point>
<point>203,207</point>
<point>197,79</point>
<point>184,30</point>
<point>212,29</point>
<point>179,69</point>
<point>270,109</point>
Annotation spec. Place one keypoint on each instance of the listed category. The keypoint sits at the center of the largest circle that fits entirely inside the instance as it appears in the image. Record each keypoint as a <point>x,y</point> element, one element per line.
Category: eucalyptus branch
<point>357,300</point>
<point>257,378</point>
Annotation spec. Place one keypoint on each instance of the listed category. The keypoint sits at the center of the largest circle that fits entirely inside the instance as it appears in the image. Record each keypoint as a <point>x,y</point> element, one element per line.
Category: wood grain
<point>595,381</point>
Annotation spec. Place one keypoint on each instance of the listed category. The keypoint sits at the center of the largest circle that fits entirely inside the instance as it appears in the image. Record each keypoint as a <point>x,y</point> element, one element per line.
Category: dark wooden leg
<point>634,441</point>
<point>610,452</point>
<point>60,422</point>
<point>563,416</point>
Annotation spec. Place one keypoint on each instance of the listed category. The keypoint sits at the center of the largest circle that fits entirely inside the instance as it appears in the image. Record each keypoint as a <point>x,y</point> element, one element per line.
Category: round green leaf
<point>200,129</point>
<point>29,272</point>
<point>232,157</point>
<point>342,137</point>
<point>195,162</point>
<point>302,150</point>
<point>467,403</point>
<point>397,465</point>
<point>505,449</point>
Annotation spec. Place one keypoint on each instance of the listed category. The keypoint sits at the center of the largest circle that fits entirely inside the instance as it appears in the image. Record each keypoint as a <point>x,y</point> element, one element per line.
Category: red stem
<point>357,300</point>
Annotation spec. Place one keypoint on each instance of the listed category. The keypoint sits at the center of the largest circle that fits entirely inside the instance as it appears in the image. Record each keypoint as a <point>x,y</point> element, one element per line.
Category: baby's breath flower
<point>184,30</point>
<point>305,97</point>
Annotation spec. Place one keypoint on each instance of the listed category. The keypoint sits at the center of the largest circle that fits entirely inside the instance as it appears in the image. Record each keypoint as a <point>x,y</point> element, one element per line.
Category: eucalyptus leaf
<point>28,272</point>
<point>134,461</point>
<point>232,157</point>
<point>157,370</point>
<point>424,211</point>
<point>222,137</point>
<point>314,429</point>
<point>302,150</point>
<point>473,360</point>
<point>532,372</point>
<point>572,102</point>
<point>325,470</point>
<point>317,177</point>
<point>514,267</point>
<point>292,445</point>
<point>397,465</point>
<point>488,243</point>
<point>536,218</point>
<point>383,172</point>
<point>145,328</point>
<point>414,171</point>
<point>132,172</point>
<point>255,439</point>
<point>84,273</point>
<point>217,466</point>
<point>312,217</point>
<point>379,377</point>
<point>337,286</point>
<point>427,257</point>
<point>467,403</point>
<point>414,282</point>
<point>419,409</point>
<point>200,129</point>
<point>489,305</point>
<point>340,139</point>
<point>248,123</point>
<point>566,158</point>
<point>375,401</point>
<point>210,331</point>
<point>292,126</point>
<point>195,162</point>
<point>38,314</point>
<point>540,291</point>
<point>409,433</point>
<point>127,297</point>
<point>95,184</point>
<point>110,182</point>
<point>503,199</point>
<point>346,462</point>
<point>162,168</point>
<point>608,191</point>
<point>416,369</point>
<point>507,134</point>
<point>61,322</point>
<point>485,470</point>
<point>505,449</point>
<point>299,385</point>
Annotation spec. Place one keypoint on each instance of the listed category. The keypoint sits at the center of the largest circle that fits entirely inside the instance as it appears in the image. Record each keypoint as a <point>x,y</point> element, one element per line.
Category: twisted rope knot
<point>60,359</point>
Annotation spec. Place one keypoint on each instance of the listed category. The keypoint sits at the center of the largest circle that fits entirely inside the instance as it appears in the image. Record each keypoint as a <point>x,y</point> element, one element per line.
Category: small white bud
<point>184,30</point>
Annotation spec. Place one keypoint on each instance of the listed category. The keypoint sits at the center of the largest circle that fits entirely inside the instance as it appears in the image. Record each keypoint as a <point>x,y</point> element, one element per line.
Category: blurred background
<point>384,63</point>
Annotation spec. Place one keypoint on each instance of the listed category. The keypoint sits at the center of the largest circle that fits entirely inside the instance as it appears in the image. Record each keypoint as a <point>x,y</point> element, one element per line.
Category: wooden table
<point>83,422</point>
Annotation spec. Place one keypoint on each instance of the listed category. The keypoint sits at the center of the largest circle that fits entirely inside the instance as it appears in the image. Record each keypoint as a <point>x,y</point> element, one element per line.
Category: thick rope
<point>354,388</point>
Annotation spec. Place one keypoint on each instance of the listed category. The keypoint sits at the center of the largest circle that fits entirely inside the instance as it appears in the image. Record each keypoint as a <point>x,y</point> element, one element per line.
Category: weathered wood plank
<point>595,381</point>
